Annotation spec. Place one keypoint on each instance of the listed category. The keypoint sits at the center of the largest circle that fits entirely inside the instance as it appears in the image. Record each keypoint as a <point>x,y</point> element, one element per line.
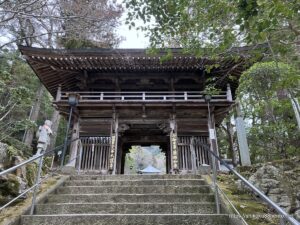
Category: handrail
<point>253,188</point>
<point>232,206</point>
<point>38,181</point>
<point>11,169</point>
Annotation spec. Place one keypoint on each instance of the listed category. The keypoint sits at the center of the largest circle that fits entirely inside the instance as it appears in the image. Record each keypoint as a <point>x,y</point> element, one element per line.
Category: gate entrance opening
<point>140,157</point>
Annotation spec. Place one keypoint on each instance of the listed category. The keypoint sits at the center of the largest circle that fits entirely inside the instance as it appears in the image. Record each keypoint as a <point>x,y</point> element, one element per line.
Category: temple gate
<point>122,97</point>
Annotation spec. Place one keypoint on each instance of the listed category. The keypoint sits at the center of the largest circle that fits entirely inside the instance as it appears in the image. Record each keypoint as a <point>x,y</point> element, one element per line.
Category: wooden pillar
<point>119,157</point>
<point>213,139</point>
<point>228,93</point>
<point>114,144</point>
<point>74,144</point>
<point>173,145</point>
<point>193,155</point>
<point>58,94</point>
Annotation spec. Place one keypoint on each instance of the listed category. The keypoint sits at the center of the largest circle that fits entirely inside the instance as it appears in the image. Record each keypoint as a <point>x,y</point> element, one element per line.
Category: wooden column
<point>193,155</point>
<point>119,157</point>
<point>114,144</point>
<point>74,144</point>
<point>173,145</point>
<point>213,139</point>
<point>58,93</point>
<point>228,93</point>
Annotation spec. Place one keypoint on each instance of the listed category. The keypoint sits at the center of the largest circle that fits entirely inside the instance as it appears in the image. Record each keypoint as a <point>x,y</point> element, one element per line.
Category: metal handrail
<point>277,208</point>
<point>232,206</point>
<point>11,169</point>
<point>37,182</point>
<point>33,159</point>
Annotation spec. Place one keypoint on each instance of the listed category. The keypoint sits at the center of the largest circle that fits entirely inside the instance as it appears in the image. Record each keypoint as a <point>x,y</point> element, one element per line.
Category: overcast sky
<point>133,38</point>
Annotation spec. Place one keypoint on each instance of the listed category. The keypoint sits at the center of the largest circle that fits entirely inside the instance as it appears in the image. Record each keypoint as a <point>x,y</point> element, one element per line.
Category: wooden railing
<point>190,96</point>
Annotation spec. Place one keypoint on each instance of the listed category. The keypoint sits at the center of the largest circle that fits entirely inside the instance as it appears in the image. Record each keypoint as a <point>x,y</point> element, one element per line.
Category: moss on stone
<point>17,210</point>
<point>252,209</point>
<point>3,199</point>
<point>47,164</point>
<point>23,149</point>
<point>11,186</point>
<point>31,171</point>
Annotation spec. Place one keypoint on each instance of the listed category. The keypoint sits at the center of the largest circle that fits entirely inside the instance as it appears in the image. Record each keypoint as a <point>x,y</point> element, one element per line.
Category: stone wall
<point>279,180</point>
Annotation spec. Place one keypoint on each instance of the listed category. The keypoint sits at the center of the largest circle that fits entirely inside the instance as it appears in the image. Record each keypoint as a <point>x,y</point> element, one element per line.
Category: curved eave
<point>62,67</point>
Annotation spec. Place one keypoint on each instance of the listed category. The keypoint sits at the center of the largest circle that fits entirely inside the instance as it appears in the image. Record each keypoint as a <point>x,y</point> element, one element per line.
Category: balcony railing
<point>190,96</point>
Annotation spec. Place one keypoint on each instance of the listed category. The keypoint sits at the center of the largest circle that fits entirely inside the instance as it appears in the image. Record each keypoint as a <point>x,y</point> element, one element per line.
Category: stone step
<point>133,189</point>
<point>129,219</point>
<point>130,198</point>
<point>134,177</point>
<point>126,208</point>
<point>135,182</point>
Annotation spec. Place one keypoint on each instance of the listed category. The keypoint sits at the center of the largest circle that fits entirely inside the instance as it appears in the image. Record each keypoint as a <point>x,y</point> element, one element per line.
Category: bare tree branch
<point>8,112</point>
<point>31,21</point>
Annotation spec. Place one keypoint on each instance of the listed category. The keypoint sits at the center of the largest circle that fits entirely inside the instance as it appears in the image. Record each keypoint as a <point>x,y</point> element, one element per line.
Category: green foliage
<point>23,149</point>
<point>212,27</point>
<point>11,152</point>
<point>47,164</point>
<point>16,93</point>
<point>31,171</point>
<point>264,93</point>
<point>18,85</point>
<point>267,78</point>
<point>61,132</point>
<point>210,89</point>
<point>196,24</point>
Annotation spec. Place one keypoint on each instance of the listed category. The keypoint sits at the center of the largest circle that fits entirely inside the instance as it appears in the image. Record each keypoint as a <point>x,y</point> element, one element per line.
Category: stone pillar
<point>74,144</point>
<point>173,145</point>
<point>114,144</point>
<point>242,138</point>
<point>296,108</point>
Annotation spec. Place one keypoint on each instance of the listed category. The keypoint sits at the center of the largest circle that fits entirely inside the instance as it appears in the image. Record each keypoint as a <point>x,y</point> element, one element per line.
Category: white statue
<point>43,134</point>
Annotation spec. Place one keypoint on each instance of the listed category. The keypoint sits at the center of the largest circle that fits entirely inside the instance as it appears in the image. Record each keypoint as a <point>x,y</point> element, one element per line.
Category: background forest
<point>140,157</point>
<point>267,92</point>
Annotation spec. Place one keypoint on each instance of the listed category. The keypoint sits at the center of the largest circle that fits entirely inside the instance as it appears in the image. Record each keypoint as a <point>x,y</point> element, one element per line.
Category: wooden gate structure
<point>185,152</point>
<point>121,97</point>
<point>95,153</point>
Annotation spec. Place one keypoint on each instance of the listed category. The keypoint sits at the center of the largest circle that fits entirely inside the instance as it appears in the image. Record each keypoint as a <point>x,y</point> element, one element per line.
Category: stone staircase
<point>129,200</point>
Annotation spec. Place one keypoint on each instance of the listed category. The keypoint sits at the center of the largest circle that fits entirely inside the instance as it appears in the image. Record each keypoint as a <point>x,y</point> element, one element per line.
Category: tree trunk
<point>35,113</point>
<point>55,124</point>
